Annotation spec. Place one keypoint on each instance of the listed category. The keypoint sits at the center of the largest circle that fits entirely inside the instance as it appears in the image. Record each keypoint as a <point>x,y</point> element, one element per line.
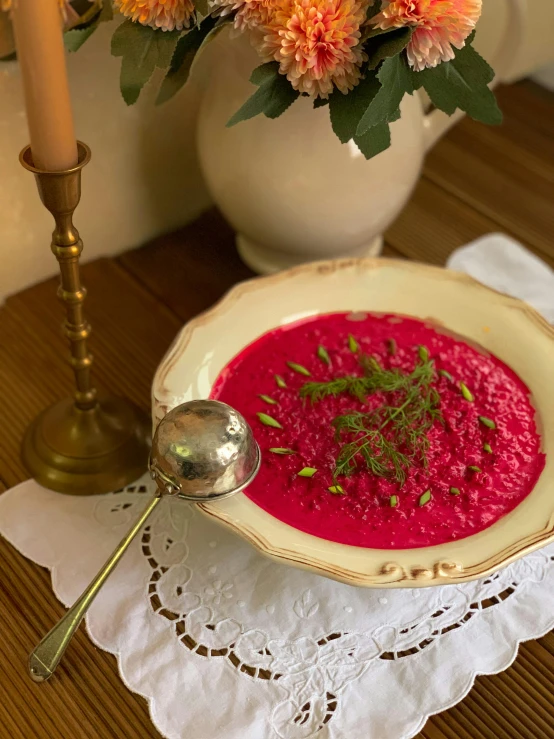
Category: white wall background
<point>144,178</point>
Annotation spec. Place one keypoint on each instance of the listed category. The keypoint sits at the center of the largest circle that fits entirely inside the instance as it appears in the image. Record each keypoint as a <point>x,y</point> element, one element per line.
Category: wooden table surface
<point>476,181</point>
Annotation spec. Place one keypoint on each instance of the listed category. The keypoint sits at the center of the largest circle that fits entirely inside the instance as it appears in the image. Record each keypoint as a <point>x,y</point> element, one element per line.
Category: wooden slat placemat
<point>476,181</point>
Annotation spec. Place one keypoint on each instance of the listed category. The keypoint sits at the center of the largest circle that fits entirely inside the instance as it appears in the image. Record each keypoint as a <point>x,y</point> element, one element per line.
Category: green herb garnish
<point>488,422</point>
<point>474,468</point>
<point>425,498</point>
<point>391,346</point>
<point>423,353</point>
<point>307,472</point>
<point>280,382</point>
<point>323,355</point>
<point>454,491</point>
<point>299,369</point>
<point>393,501</point>
<point>444,373</point>
<point>268,421</point>
<point>487,448</point>
<point>392,437</point>
<point>267,399</point>
<point>336,490</point>
<point>281,450</point>
<point>466,392</point>
<point>352,344</point>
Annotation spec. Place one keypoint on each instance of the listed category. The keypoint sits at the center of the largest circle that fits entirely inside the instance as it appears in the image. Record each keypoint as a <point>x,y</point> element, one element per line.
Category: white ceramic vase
<point>289,188</point>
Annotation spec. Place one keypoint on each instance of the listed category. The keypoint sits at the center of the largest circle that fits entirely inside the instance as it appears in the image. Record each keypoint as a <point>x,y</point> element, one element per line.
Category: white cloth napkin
<point>500,262</point>
<point>226,644</point>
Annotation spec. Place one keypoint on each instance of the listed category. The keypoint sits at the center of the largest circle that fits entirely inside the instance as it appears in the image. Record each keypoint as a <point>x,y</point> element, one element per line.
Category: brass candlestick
<point>87,444</point>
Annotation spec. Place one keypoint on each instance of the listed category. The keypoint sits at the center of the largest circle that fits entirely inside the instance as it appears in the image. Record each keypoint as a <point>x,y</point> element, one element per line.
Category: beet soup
<point>383,431</point>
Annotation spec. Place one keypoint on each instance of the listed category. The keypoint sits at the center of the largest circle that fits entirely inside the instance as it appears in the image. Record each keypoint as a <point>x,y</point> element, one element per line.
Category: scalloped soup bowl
<point>508,328</point>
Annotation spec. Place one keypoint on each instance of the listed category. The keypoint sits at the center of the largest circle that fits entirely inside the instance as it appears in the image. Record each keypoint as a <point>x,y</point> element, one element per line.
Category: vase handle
<point>436,123</point>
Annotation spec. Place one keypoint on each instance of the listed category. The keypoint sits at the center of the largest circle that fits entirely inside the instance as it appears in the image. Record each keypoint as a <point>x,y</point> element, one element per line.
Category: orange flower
<point>316,43</point>
<point>439,25</point>
<point>166,15</point>
<point>251,14</point>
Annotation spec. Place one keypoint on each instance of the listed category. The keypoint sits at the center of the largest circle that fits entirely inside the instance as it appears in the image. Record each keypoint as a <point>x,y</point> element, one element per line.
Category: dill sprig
<point>394,436</point>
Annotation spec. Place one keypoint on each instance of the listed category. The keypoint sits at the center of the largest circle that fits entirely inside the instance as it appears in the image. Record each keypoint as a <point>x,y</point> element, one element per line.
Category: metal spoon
<point>202,451</point>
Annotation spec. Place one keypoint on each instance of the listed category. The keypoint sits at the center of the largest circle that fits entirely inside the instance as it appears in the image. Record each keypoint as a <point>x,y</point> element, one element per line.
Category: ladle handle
<point>45,658</point>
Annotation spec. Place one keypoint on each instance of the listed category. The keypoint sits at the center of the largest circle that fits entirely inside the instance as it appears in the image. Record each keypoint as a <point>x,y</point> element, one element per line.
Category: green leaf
<point>396,80</point>
<point>347,110</point>
<point>425,498</point>
<point>387,45</point>
<point>183,58</point>
<point>264,73</point>
<point>269,421</point>
<point>323,354</point>
<point>466,392</point>
<point>462,83</point>
<point>374,9</point>
<point>299,369</point>
<point>488,422</point>
<point>423,353</point>
<point>374,140</point>
<point>142,50</point>
<point>273,96</point>
<point>320,102</point>
<point>267,399</point>
<point>76,37</point>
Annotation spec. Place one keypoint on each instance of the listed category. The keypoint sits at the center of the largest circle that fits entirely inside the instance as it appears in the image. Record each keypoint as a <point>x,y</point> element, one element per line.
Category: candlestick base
<point>83,452</point>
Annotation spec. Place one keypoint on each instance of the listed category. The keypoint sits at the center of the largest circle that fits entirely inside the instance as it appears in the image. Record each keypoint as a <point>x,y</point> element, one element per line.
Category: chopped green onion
<point>336,490</point>
<point>352,344</point>
<point>466,392</point>
<point>307,472</point>
<point>267,399</point>
<point>268,421</point>
<point>488,422</point>
<point>393,500</point>
<point>391,346</point>
<point>299,369</point>
<point>474,468</point>
<point>281,450</point>
<point>444,373</point>
<point>425,498</point>
<point>280,382</point>
<point>323,355</point>
<point>454,491</point>
<point>423,353</point>
<point>487,448</point>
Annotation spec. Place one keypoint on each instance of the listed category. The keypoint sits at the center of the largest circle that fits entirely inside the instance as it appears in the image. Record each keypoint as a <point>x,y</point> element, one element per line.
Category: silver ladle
<point>202,451</point>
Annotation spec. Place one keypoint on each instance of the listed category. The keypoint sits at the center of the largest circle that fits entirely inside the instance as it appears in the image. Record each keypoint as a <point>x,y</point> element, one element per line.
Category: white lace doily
<point>226,644</point>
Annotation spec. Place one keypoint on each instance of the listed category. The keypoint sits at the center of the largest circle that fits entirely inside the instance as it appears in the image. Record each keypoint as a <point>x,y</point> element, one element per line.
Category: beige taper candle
<point>40,50</point>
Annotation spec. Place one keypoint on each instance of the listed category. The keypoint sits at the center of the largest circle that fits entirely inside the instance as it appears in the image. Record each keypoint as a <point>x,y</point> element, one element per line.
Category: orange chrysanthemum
<point>439,25</point>
<point>167,15</point>
<point>316,43</point>
<point>251,15</point>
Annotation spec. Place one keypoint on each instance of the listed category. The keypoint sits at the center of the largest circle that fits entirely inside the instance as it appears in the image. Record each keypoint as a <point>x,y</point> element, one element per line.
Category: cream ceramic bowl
<point>507,327</point>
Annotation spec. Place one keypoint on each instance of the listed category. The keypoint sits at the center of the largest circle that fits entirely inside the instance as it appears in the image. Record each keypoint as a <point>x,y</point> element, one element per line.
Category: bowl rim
<point>252,523</point>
